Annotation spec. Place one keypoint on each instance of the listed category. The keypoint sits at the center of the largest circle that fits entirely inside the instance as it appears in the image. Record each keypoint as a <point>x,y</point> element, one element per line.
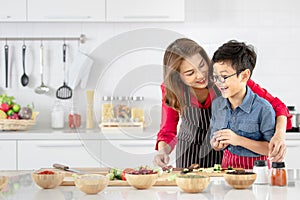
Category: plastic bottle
<point>278,174</point>
<point>261,170</point>
<point>57,115</point>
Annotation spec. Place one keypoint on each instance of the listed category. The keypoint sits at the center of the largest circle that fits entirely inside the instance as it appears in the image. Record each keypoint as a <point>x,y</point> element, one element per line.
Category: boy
<point>242,123</point>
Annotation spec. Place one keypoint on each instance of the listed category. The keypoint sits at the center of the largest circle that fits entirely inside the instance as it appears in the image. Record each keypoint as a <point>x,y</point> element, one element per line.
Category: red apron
<point>235,161</point>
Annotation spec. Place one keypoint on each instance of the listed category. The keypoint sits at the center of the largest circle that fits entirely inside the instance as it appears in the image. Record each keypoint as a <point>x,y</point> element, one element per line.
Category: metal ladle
<point>42,89</point>
<point>24,78</point>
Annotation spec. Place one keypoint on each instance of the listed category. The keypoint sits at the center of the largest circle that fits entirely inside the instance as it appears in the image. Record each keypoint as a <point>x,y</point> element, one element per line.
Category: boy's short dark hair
<point>240,55</point>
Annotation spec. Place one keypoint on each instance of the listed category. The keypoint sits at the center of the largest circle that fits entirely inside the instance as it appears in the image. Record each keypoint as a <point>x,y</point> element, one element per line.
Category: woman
<point>188,93</point>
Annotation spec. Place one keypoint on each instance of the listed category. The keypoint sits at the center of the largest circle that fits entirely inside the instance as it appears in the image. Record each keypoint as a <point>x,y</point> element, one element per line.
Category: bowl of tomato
<point>48,179</point>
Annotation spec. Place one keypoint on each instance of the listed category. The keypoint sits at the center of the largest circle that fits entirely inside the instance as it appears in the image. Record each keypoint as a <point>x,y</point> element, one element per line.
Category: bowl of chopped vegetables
<point>141,178</point>
<point>192,183</point>
<point>48,179</point>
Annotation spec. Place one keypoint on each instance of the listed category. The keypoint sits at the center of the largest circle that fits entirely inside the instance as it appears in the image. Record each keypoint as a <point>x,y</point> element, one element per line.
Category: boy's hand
<point>216,144</point>
<point>227,136</point>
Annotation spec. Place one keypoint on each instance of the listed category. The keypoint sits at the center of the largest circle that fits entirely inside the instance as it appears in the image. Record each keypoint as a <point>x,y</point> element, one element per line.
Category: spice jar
<point>74,118</point>
<point>107,109</point>
<point>122,109</point>
<point>278,174</point>
<point>137,110</point>
<point>57,115</point>
<point>261,169</point>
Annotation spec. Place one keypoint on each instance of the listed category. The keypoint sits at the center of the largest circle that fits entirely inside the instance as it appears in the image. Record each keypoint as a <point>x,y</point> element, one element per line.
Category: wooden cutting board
<point>161,181</point>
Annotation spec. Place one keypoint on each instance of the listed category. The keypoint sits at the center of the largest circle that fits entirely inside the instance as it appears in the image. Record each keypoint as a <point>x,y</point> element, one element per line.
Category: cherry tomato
<point>46,172</point>
<point>126,170</point>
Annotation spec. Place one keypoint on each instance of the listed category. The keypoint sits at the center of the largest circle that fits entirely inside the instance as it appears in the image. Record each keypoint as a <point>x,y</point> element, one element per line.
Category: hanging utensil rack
<point>81,38</point>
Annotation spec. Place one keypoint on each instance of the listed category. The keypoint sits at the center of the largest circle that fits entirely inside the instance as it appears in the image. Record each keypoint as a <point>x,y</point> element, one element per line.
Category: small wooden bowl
<point>240,180</point>
<point>3,181</point>
<point>91,183</point>
<point>192,183</point>
<point>48,181</point>
<point>141,181</point>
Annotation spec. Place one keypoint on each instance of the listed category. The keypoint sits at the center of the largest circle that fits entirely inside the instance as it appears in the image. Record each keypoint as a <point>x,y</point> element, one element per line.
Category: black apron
<point>194,138</point>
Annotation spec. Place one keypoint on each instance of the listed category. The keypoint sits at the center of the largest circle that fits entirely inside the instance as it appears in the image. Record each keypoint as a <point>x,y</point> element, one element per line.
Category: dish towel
<point>80,70</point>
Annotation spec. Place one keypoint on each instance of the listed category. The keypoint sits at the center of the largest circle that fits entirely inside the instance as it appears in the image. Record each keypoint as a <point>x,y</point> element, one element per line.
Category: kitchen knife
<point>66,168</point>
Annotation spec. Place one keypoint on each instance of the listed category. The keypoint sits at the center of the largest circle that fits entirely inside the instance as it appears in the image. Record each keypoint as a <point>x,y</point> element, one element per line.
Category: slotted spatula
<point>64,92</point>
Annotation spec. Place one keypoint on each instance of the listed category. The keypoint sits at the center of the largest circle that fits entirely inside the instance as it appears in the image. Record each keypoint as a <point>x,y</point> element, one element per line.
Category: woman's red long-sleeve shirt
<point>170,117</point>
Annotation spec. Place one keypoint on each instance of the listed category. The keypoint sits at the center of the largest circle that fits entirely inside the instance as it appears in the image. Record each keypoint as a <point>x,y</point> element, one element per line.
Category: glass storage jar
<point>278,174</point>
<point>57,115</point>
<point>122,109</point>
<point>74,117</point>
<point>107,109</point>
<point>137,109</point>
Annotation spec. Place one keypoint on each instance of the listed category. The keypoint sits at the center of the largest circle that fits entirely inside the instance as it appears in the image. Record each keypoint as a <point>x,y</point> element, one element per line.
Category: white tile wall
<point>272,26</point>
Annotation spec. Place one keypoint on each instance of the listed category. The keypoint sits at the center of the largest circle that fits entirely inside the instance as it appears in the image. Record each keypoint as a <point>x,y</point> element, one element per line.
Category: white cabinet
<point>92,11</point>
<point>292,154</point>
<point>13,10</point>
<point>43,154</point>
<point>8,155</point>
<point>66,10</point>
<point>144,10</point>
<point>129,153</point>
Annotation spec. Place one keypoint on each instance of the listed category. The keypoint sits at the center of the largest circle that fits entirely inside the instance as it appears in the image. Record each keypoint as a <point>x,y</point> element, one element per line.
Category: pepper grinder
<point>90,105</point>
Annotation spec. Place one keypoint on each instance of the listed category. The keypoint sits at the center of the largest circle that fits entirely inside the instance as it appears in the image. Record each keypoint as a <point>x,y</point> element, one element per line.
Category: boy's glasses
<point>222,79</point>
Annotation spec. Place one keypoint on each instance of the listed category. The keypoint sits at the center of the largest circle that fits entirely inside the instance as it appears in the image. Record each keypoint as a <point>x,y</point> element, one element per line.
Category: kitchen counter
<point>71,134</point>
<point>94,134</point>
<point>21,186</point>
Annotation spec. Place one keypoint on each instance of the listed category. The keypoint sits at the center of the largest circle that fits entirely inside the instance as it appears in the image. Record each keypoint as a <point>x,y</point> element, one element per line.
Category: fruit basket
<point>13,117</point>
<point>15,124</point>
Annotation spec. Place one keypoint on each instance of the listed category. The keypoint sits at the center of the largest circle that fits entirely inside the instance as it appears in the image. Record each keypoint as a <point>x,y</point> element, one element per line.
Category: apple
<point>10,112</point>
<point>4,107</point>
<point>16,108</point>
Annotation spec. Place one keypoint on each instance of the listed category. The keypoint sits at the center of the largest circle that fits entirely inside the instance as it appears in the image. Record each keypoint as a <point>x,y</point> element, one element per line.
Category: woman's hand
<point>227,136</point>
<point>277,148</point>
<point>161,159</point>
